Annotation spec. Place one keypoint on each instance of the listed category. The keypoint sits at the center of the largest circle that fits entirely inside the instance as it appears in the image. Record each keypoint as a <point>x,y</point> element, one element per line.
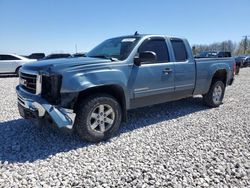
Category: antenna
<point>136,33</point>
<point>76,48</point>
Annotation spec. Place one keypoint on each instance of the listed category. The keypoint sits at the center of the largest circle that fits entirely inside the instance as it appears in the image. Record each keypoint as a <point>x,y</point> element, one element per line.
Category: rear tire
<point>98,118</point>
<point>215,94</point>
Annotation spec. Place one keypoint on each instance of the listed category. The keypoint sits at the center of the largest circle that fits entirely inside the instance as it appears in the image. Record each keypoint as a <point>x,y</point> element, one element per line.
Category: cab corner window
<point>159,47</point>
<point>179,48</point>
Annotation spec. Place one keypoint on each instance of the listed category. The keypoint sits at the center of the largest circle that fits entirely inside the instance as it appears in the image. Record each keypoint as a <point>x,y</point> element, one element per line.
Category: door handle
<point>167,71</point>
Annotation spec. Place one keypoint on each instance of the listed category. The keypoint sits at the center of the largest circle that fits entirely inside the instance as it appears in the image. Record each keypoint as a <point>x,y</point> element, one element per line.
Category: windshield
<point>115,48</point>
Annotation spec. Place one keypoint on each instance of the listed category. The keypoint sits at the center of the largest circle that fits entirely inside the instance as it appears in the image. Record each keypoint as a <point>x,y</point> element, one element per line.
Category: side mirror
<point>147,56</point>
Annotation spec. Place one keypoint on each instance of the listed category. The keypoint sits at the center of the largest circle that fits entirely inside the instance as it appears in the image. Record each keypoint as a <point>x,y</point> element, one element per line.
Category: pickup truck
<point>119,74</point>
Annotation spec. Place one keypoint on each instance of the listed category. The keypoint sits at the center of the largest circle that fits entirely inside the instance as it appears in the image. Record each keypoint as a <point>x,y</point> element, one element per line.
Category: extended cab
<point>120,74</point>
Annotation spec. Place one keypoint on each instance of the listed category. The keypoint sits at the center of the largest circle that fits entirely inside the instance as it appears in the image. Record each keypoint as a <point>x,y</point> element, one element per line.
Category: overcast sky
<point>48,26</point>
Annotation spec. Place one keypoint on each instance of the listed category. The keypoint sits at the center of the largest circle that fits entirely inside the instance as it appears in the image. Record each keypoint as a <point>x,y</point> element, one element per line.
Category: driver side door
<point>153,81</point>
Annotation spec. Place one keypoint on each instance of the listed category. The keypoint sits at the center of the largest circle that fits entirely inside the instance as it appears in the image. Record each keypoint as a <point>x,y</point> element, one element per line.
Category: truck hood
<point>64,64</point>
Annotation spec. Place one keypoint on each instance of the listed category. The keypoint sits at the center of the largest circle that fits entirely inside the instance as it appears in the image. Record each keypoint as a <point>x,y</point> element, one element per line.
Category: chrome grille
<point>28,82</point>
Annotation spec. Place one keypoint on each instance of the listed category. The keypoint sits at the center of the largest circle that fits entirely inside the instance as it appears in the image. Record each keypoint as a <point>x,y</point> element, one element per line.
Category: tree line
<point>240,48</point>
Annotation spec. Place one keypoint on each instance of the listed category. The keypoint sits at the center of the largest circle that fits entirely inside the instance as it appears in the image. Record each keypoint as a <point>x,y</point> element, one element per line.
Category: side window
<point>158,46</point>
<point>9,57</point>
<point>180,51</point>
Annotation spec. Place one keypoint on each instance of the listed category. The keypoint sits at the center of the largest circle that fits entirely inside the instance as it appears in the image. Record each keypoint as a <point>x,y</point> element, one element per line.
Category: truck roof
<point>152,35</point>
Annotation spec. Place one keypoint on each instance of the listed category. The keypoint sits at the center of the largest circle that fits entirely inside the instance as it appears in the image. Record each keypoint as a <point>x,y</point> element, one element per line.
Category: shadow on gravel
<point>146,116</point>
<point>21,141</point>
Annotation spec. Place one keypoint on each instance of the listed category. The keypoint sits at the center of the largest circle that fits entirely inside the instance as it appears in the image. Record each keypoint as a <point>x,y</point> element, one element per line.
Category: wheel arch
<point>220,74</point>
<point>115,91</point>
<point>18,68</point>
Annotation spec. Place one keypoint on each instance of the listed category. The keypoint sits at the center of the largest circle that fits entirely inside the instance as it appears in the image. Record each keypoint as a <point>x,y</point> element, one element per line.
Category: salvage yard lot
<point>175,144</point>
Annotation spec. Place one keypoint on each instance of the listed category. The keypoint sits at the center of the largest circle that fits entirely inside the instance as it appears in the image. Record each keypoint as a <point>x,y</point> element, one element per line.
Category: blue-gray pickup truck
<point>119,74</point>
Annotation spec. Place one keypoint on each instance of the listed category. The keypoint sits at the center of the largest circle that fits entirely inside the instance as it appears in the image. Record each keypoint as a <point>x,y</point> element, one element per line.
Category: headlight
<point>51,86</point>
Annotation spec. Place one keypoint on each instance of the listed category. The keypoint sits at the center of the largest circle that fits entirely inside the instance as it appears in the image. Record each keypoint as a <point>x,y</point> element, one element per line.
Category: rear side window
<point>8,57</point>
<point>158,46</point>
<point>180,51</point>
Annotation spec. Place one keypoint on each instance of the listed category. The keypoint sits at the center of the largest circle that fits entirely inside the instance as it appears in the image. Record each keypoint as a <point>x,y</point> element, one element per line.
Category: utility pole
<point>245,42</point>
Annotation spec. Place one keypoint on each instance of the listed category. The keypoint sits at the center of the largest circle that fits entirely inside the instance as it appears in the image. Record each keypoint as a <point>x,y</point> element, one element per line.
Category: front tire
<point>98,118</point>
<point>215,94</point>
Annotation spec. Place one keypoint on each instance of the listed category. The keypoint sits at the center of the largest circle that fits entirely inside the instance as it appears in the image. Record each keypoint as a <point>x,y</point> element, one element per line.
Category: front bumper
<point>33,106</point>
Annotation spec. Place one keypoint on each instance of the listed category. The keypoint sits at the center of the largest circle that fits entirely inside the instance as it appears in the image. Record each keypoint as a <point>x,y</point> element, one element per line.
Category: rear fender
<point>217,68</point>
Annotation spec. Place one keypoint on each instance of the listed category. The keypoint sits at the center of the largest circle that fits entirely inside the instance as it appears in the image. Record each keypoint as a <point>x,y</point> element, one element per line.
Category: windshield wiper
<point>106,57</point>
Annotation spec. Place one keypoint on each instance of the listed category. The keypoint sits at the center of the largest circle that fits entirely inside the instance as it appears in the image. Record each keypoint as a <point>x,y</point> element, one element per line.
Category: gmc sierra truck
<point>119,74</point>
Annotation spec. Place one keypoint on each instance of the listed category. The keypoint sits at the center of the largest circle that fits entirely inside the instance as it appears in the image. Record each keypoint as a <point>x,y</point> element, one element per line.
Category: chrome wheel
<point>217,94</point>
<point>102,118</point>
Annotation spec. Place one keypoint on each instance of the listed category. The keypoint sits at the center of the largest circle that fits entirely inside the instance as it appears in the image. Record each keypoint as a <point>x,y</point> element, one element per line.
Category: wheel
<point>98,118</point>
<point>237,70</point>
<point>215,94</point>
<point>17,71</point>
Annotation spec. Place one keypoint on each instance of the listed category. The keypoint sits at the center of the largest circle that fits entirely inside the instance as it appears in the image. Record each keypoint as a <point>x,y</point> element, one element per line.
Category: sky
<point>50,26</point>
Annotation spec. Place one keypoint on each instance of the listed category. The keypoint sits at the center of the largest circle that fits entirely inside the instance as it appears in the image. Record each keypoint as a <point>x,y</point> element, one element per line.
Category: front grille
<point>28,82</point>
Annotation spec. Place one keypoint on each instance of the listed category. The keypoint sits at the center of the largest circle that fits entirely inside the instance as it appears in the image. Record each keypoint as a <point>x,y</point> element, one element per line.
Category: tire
<point>44,123</point>
<point>90,122</point>
<point>17,71</point>
<point>215,94</point>
<point>237,70</point>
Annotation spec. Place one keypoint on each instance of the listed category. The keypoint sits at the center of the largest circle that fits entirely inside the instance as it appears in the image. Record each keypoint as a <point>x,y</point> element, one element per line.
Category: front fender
<point>81,81</point>
<point>75,83</point>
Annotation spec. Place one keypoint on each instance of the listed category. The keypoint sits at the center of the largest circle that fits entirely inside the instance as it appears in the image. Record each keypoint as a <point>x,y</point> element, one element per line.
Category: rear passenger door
<point>184,68</point>
<point>153,82</point>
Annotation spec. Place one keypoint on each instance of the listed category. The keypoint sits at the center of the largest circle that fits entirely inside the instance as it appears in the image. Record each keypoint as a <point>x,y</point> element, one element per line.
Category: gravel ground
<point>178,144</point>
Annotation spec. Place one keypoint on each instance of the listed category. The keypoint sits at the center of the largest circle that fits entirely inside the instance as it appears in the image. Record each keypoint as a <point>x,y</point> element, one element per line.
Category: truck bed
<point>206,67</point>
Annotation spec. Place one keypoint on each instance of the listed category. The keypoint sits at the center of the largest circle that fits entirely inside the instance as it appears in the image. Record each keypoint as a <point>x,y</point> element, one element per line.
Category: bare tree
<point>228,46</point>
<point>243,47</point>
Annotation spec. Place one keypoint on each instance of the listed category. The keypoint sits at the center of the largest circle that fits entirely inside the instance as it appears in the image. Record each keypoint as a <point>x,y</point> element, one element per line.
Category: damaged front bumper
<point>33,106</point>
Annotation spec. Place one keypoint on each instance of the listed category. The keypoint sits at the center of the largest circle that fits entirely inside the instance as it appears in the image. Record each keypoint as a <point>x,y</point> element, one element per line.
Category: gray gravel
<point>179,144</point>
